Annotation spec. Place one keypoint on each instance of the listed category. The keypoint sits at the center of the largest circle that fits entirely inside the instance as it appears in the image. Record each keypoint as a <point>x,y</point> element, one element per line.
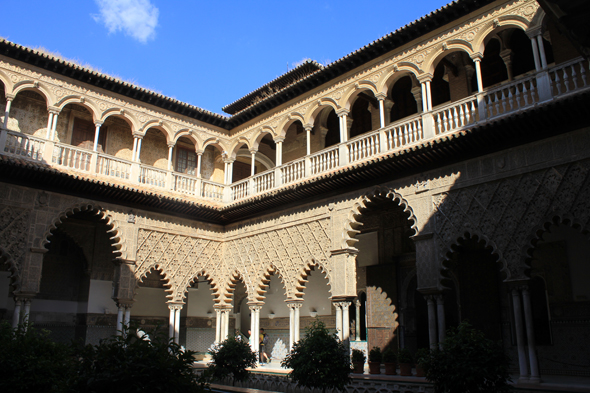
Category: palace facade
<point>438,174</point>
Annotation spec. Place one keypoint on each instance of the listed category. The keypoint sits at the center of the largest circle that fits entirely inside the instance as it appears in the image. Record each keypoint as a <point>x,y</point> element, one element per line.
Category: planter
<point>358,367</point>
<point>420,371</point>
<point>405,369</point>
<point>374,367</point>
<point>390,368</point>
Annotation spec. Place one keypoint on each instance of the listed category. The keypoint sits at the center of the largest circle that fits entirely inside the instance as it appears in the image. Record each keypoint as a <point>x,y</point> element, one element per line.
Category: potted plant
<point>421,358</point>
<point>375,361</point>
<point>358,361</point>
<point>389,359</point>
<point>404,358</point>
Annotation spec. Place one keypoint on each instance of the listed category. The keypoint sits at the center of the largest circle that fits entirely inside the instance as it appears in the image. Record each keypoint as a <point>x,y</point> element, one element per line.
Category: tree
<point>319,360</point>
<point>232,357</point>
<point>31,362</point>
<point>136,363</point>
<point>468,362</point>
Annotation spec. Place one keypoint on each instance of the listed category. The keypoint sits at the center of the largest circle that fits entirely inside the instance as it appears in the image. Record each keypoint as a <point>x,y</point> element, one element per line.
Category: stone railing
<point>509,97</point>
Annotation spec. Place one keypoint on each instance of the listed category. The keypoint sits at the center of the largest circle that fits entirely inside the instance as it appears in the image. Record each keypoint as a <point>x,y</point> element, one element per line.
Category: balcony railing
<point>498,101</point>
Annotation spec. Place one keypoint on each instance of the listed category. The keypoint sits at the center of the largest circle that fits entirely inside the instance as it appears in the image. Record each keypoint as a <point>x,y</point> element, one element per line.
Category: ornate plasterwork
<point>507,213</point>
<point>181,259</point>
<point>14,224</point>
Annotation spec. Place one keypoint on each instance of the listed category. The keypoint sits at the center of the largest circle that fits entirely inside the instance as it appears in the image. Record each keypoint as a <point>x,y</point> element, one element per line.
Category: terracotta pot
<point>374,367</point>
<point>390,368</point>
<point>420,371</point>
<point>358,367</point>
<point>405,369</point>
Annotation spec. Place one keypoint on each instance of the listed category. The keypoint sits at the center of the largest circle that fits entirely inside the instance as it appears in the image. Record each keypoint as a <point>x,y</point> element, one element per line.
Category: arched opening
<point>473,279</point>
<point>119,141</point>
<point>80,129</point>
<point>453,79</point>
<point>74,300</point>
<point>364,114</point>
<point>493,68</point>
<point>295,143</point>
<point>560,296</point>
<point>212,164</point>
<point>274,316</point>
<point>150,309</point>
<point>24,104</point>
<point>327,127</point>
<point>198,332</point>
<point>185,156</point>
<point>405,96</point>
<point>268,148</point>
<point>242,166</point>
<point>154,148</point>
<point>386,256</point>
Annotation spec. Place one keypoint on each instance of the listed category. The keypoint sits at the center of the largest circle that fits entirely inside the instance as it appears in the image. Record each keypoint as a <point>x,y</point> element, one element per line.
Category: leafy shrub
<point>389,355</point>
<point>375,355</point>
<point>136,363</point>
<point>319,360</point>
<point>31,362</point>
<point>404,356</point>
<point>232,358</point>
<point>468,362</point>
<point>358,356</point>
<point>422,356</point>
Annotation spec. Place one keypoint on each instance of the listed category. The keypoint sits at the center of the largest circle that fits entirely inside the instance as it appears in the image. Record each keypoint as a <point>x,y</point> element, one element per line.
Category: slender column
<point>381,98</point>
<point>536,54</point>
<point>49,122</point>
<point>217,325</point>
<point>120,316</point>
<point>343,113</point>
<point>357,303</point>
<point>291,325</point>
<point>127,314</point>
<point>7,111</point>
<point>338,306</point>
<point>134,148</point>
<point>138,154</point>
<point>440,313</point>
<point>431,321</point>
<point>308,129</point>
<point>26,311</point>
<point>170,151</point>
<point>428,95</point>
<point>542,51</point>
<point>530,335</point>
<point>16,315</point>
<point>477,61</point>
<point>345,322</point>
<point>253,162</point>
<point>424,97</point>
<point>223,326</point>
<point>522,362</point>
<point>230,176</point>
<point>53,126</point>
<point>255,323</point>
<point>279,157</point>
<point>96,135</point>
<point>199,159</point>
<point>171,322</point>
<point>253,333</point>
<point>177,324</point>
<point>297,319</point>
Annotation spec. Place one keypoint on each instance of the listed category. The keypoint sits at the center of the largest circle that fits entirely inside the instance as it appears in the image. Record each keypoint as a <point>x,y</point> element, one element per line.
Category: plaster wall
<point>200,301</point>
<point>150,302</point>
<point>99,298</point>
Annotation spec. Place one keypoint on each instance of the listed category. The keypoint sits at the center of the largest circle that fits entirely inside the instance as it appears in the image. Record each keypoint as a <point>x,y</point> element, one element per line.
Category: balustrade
<point>568,77</point>
<point>113,167</point>
<point>455,115</point>
<point>184,184</point>
<point>264,182</point>
<point>364,147</point>
<point>239,190</point>
<point>293,171</point>
<point>71,157</point>
<point>512,97</point>
<point>324,161</point>
<point>152,176</point>
<point>403,133</point>
<point>24,146</point>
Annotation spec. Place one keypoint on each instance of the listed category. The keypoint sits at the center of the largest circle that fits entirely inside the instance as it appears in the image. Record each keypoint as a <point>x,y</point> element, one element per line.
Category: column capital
<point>308,127</point>
<point>175,306</point>
<point>138,134</point>
<point>253,151</point>
<point>199,152</point>
<point>426,77</point>
<point>381,96</point>
<point>53,109</point>
<point>294,304</point>
<point>10,96</point>
<point>171,145</point>
<point>229,160</point>
<point>279,139</point>
<point>98,123</point>
<point>476,56</point>
<point>342,112</point>
<point>124,303</point>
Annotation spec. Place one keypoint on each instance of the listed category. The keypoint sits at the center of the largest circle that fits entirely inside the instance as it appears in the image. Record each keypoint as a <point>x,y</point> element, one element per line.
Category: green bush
<point>422,356</point>
<point>375,355</point>
<point>319,360</point>
<point>468,362</point>
<point>136,363</point>
<point>232,358</point>
<point>31,362</point>
<point>404,356</point>
<point>389,355</point>
<point>358,356</point>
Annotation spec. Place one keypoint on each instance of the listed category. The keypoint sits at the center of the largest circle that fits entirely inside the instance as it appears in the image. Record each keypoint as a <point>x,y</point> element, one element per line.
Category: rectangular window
<point>186,161</point>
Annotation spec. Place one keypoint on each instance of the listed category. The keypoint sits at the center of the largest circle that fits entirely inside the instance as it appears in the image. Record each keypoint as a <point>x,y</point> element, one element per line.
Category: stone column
<point>381,98</point>
<point>16,314</point>
<point>199,159</point>
<point>26,310</point>
<point>530,334</point>
<point>170,151</point>
<point>127,315</point>
<point>7,110</point>
<point>177,323</point>
<point>255,324</point>
<point>440,313</point>
<point>279,155</point>
<point>343,116</point>
<point>308,129</point>
<point>417,93</point>
<point>253,162</point>
<point>291,325</point>
<point>345,322</point>
<point>229,167</point>
<point>171,320</point>
<point>476,57</point>
<point>96,134</point>
<point>522,361</point>
<point>217,325</point>
<point>120,317</point>
<point>506,56</point>
<point>49,123</point>
<point>432,336</point>
<point>536,54</point>
<point>138,153</point>
<point>53,125</point>
<point>339,330</point>
<point>357,303</point>
<point>542,51</point>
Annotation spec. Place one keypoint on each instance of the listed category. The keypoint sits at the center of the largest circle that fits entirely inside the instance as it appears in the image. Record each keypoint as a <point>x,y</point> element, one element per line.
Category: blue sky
<point>206,53</point>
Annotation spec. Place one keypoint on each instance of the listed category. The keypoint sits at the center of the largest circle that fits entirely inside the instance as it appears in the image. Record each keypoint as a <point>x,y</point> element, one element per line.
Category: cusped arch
<point>478,237</point>
<point>502,23</point>
<point>13,268</point>
<point>216,288</point>
<point>166,276</point>
<point>115,234</point>
<point>261,283</point>
<point>444,50</point>
<point>352,222</point>
<point>303,273</point>
<point>79,100</point>
<point>37,87</point>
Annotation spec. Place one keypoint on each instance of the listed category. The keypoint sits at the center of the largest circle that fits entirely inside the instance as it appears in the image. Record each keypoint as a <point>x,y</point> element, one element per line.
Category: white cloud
<point>137,18</point>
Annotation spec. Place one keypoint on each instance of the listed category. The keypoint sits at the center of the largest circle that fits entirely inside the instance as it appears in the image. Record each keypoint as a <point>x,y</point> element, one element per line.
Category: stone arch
<point>261,133</point>
<point>317,108</point>
<point>179,293</point>
<point>496,26</point>
<point>304,272</point>
<point>444,50</point>
<point>37,88</point>
<point>6,81</point>
<point>396,73</point>
<point>237,145</point>
<point>189,134</point>
<point>116,235</point>
<point>160,126</point>
<point>165,275</point>
<point>286,123</point>
<point>79,100</point>
<point>125,115</point>
<point>261,281</point>
<point>349,97</point>
<point>13,268</point>
<point>352,223</point>
<point>488,244</point>
<point>216,143</point>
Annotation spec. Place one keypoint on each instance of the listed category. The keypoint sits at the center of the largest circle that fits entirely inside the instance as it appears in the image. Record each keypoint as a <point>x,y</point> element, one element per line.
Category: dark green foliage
<point>375,355</point>
<point>389,355</point>
<point>468,362</point>
<point>232,358</point>
<point>404,356</point>
<point>135,363</point>
<point>31,362</point>
<point>358,356</point>
<point>422,356</point>
<point>319,360</point>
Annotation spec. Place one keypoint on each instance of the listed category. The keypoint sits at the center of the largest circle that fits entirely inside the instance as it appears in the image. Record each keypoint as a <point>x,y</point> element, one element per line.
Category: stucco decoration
<point>511,211</point>
<point>14,223</point>
<point>181,259</point>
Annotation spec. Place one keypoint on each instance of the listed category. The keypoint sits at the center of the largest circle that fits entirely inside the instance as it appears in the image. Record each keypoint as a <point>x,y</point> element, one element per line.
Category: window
<point>186,161</point>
